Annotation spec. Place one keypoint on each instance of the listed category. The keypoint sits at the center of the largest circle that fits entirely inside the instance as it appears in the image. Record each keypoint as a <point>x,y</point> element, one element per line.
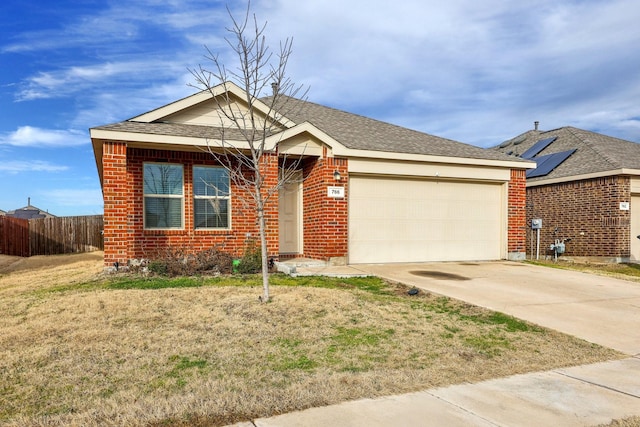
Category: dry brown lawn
<point>627,422</point>
<point>76,349</point>
<point>629,272</point>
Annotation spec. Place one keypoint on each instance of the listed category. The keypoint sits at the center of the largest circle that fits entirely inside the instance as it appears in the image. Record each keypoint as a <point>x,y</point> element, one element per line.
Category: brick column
<point>269,169</point>
<point>517,220</point>
<point>325,218</point>
<point>114,191</point>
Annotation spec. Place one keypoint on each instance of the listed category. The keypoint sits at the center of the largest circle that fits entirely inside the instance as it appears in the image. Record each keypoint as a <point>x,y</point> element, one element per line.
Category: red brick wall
<point>125,237</point>
<point>269,170</point>
<point>587,211</point>
<point>517,221</point>
<point>115,191</point>
<point>324,218</point>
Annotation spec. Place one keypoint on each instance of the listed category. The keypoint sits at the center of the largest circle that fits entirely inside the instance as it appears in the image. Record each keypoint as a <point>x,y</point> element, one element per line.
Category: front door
<point>290,216</point>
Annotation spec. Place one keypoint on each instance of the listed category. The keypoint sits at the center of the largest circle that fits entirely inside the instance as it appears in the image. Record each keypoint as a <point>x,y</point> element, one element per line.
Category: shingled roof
<point>29,212</point>
<point>351,130</point>
<point>174,129</point>
<point>594,152</point>
<point>363,133</point>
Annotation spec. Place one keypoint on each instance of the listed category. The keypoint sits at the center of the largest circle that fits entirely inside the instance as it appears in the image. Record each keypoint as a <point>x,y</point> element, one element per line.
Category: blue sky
<point>476,72</point>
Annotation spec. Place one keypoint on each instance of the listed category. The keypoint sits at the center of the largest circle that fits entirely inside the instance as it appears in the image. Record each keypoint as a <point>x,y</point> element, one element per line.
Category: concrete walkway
<point>601,310</point>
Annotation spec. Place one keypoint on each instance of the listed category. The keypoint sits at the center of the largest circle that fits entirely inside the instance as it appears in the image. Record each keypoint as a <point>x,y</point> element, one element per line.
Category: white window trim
<point>163,196</point>
<point>228,198</point>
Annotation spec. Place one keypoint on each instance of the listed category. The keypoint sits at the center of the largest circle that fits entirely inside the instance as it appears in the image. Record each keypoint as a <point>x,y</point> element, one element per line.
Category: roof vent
<point>535,125</point>
<point>519,139</point>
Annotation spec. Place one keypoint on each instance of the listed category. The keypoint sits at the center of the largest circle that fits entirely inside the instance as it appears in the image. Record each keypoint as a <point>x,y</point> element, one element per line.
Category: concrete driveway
<point>601,310</point>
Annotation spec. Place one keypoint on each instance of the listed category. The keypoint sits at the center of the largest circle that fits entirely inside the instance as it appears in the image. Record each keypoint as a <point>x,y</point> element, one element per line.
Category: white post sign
<point>335,192</point>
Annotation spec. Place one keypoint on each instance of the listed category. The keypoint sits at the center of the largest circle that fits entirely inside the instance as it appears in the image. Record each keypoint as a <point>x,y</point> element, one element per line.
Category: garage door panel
<point>413,220</point>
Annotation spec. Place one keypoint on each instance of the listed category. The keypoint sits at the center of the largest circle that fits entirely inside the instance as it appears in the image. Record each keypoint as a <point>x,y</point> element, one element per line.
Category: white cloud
<point>96,78</point>
<point>18,166</point>
<point>29,136</point>
<point>478,72</point>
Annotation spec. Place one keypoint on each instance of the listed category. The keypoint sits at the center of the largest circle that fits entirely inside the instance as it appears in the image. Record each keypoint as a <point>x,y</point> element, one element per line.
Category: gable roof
<point>358,132</point>
<point>595,154</point>
<point>347,134</point>
<point>29,212</point>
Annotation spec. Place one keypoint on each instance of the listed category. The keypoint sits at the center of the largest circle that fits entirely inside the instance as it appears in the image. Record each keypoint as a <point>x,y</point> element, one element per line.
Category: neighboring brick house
<point>370,191</point>
<point>586,188</point>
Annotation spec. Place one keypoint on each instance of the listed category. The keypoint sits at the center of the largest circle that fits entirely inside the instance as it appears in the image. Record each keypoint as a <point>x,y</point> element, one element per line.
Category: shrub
<point>251,261</point>
<point>176,262</point>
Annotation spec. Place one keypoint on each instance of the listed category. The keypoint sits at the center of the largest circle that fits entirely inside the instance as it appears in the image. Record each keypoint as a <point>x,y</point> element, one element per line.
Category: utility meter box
<point>536,224</point>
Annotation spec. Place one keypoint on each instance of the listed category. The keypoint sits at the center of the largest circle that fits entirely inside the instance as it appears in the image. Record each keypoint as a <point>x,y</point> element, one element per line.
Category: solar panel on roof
<point>545,164</point>
<point>538,147</point>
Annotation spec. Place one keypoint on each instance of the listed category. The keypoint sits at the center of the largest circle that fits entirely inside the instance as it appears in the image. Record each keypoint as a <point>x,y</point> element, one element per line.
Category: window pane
<point>211,213</point>
<point>162,179</point>
<point>162,212</point>
<point>210,182</point>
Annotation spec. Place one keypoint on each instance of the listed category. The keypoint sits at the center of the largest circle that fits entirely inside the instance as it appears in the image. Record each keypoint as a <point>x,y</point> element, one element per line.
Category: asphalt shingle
<point>173,129</point>
<point>594,152</point>
<point>364,133</point>
<point>351,130</point>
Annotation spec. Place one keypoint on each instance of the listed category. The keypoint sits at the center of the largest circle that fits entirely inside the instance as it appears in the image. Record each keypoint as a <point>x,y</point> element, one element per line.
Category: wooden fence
<point>51,236</point>
<point>14,236</point>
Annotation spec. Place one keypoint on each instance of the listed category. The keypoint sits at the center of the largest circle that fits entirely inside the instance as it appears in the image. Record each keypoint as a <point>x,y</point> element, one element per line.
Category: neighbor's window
<point>163,196</point>
<point>211,197</point>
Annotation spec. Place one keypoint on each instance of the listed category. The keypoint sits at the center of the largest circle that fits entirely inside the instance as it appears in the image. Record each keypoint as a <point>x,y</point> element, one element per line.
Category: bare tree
<point>259,72</point>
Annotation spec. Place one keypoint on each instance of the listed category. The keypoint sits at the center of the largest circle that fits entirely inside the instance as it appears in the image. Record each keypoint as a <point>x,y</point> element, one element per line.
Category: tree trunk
<point>263,252</point>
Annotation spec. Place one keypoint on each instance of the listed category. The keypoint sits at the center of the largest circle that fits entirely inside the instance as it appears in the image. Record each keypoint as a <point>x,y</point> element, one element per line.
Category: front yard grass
<point>628,271</point>
<point>76,350</point>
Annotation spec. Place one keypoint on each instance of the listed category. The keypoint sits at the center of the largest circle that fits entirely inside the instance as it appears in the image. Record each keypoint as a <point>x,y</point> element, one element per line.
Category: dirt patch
<point>440,275</point>
<point>7,261</point>
<point>9,264</point>
<point>19,274</point>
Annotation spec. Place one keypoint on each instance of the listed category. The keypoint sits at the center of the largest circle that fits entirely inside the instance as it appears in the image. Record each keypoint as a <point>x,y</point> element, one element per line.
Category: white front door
<point>290,216</point>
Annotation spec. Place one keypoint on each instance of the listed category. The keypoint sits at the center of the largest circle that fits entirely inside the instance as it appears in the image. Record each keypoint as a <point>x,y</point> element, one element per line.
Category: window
<point>163,196</point>
<point>211,197</point>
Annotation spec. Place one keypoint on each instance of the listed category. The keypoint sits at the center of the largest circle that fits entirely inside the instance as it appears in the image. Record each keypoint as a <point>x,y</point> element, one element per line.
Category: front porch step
<point>312,267</point>
<point>291,266</point>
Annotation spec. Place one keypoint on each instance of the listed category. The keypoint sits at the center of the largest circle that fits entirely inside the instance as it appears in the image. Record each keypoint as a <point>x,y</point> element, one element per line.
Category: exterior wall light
<point>337,176</point>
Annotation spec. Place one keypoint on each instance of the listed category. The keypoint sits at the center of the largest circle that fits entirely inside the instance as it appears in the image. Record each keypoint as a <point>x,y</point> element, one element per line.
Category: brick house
<point>586,187</point>
<point>370,191</point>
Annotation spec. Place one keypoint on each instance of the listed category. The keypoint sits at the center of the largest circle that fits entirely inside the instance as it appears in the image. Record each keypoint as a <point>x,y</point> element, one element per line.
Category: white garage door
<point>415,220</point>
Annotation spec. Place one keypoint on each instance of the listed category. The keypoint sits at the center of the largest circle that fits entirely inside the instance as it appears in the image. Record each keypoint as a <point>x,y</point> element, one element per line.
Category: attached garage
<point>409,219</point>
